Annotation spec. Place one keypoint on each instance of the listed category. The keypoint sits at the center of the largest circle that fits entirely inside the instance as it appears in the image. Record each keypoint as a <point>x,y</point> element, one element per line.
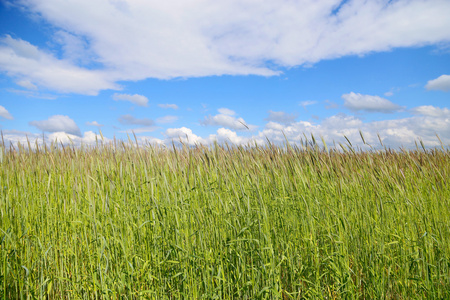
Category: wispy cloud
<point>331,104</point>
<point>135,99</point>
<point>94,123</point>
<point>307,103</point>
<point>281,117</point>
<point>130,120</point>
<point>145,124</point>
<point>167,119</point>
<point>27,84</point>
<point>167,105</point>
<point>226,111</point>
<point>33,94</point>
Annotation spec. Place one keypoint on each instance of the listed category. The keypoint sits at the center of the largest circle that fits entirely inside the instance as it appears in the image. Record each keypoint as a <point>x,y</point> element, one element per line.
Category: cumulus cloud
<point>225,118</point>
<point>358,102</point>
<point>130,120</point>
<point>281,117</point>
<point>167,119</point>
<point>134,40</point>
<point>424,123</point>
<point>57,123</point>
<point>228,136</point>
<point>184,135</point>
<point>5,114</point>
<point>394,133</point>
<point>442,83</point>
<point>88,138</point>
<point>145,140</point>
<point>94,123</point>
<point>18,58</point>
<point>135,99</point>
<point>431,111</point>
<point>167,105</point>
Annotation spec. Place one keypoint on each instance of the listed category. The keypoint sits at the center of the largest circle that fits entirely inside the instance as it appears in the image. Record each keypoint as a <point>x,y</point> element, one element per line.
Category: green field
<point>120,221</point>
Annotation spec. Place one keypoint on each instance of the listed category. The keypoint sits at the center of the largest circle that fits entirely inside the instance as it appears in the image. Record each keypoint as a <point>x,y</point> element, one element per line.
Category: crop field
<point>126,221</point>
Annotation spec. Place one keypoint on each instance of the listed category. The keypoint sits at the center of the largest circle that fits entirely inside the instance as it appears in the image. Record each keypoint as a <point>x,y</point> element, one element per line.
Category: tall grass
<point>224,222</point>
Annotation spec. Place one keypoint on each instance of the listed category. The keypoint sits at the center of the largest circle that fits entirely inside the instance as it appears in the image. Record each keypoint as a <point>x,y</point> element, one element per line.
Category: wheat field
<point>123,220</point>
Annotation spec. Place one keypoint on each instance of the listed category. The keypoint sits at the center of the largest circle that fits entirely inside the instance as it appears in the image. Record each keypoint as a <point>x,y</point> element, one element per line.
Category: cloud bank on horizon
<point>101,47</point>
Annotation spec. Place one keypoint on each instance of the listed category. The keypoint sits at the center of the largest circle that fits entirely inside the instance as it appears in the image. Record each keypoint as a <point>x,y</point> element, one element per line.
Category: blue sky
<point>235,71</point>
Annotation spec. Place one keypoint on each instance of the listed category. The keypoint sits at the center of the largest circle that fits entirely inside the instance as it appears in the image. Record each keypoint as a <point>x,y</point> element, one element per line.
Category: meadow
<point>121,220</point>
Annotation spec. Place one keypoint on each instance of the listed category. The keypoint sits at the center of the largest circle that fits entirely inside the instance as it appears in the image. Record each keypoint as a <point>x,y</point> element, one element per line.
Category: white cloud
<point>65,138</point>
<point>357,102</point>
<point>442,83</point>
<point>130,120</point>
<point>186,136</point>
<point>94,123</point>
<point>226,111</point>
<point>5,114</point>
<point>33,94</point>
<point>183,134</point>
<point>167,105</point>
<point>281,117</point>
<point>225,135</point>
<point>12,137</point>
<point>227,120</point>
<point>145,140</point>
<point>424,124</point>
<point>74,48</point>
<point>135,99</point>
<point>394,133</point>
<point>431,111</point>
<point>27,84</point>
<point>307,103</point>
<point>20,59</point>
<point>88,138</point>
<point>57,123</point>
<point>167,119</point>
<point>134,40</point>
